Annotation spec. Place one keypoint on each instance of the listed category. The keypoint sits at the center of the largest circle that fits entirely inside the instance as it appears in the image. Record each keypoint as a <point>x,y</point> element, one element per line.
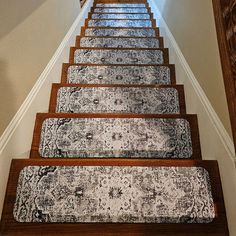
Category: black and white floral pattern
<point>116,56</point>
<point>120,23</point>
<point>120,42</point>
<point>117,100</point>
<point>121,10</point>
<point>115,137</point>
<point>114,194</point>
<point>120,5</point>
<point>120,16</point>
<point>120,32</point>
<point>118,74</point>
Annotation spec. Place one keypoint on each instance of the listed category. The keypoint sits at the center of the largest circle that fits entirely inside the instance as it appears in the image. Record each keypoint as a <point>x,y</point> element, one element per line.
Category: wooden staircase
<point>116,154</point>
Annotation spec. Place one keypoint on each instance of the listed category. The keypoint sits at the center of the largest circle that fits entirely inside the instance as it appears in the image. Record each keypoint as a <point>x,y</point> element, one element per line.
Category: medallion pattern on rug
<point>118,75</point>
<point>117,100</point>
<point>120,23</point>
<point>116,56</point>
<point>120,5</point>
<point>121,16</point>
<point>120,32</point>
<point>121,10</point>
<point>114,194</point>
<point>115,137</point>
<point>120,42</point>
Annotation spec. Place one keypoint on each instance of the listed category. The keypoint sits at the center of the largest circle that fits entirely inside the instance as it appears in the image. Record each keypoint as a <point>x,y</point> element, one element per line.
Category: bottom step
<point>161,197</point>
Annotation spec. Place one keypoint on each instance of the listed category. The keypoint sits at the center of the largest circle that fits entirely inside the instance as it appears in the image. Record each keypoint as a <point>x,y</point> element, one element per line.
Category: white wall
<point>16,140</point>
<point>215,140</point>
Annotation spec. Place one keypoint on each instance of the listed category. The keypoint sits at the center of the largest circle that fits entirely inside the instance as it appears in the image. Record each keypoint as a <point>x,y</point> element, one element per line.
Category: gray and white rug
<point>121,10</point>
<point>120,5</point>
<point>120,23</point>
<point>120,32</point>
<point>115,137</point>
<point>120,16</point>
<point>118,74</point>
<point>118,56</point>
<point>117,100</point>
<point>114,194</point>
<point>119,42</point>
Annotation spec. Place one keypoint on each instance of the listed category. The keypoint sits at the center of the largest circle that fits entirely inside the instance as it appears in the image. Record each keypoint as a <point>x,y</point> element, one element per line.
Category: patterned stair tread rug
<point>117,100</point>
<point>67,194</point>
<point>120,32</point>
<point>120,23</point>
<point>120,5</point>
<point>120,16</point>
<point>115,138</point>
<point>121,10</point>
<point>118,74</point>
<point>118,56</point>
<point>119,42</point>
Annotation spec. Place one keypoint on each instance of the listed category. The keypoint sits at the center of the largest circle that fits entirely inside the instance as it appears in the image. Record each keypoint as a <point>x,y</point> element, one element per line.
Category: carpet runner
<point>120,32</point>
<point>116,145</point>
<point>115,74</point>
<point>118,43</point>
<point>114,194</point>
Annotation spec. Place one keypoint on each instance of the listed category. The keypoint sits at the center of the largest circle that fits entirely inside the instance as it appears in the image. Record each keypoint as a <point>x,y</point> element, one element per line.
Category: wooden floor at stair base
<point>192,150</point>
<point>57,87</point>
<point>132,79</point>
<point>218,227</point>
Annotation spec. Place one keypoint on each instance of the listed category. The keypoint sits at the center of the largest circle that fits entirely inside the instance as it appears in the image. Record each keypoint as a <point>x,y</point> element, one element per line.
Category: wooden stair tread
<point>217,227</point>
<point>118,74</point>
<point>99,129</point>
<point>122,99</point>
<point>123,56</point>
<point>112,42</point>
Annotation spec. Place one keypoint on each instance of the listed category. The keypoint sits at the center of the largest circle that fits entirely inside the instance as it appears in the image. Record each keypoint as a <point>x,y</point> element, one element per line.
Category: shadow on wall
<point>6,97</point>
<point>82,2</point>
<point>13,12</point>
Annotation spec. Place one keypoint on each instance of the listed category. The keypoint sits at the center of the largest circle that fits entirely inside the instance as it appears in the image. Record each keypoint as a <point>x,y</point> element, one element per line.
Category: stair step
<point>120,56</point>
<point>171,197</point>
<point>120,16</point>
<point>112,42</point>
<point>60,135</point>
<point>120,10</point>
<point>117,74</point>
<point>120,23</point>
<point>125,32</point>
<point>121,5</point>
<point>117,99</point>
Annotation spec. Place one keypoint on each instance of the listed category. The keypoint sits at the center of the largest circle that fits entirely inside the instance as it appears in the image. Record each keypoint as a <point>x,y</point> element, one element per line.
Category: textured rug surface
<point>121,10</point>
<point>116,56</point>
<point>117,100</point>
<point>115,137</point>
<point>120,5</point>
<point>120,16</point>
<point>120,23</point>
<point>120,42</point>
<point>114,194</point>
<point>118,75</point>
<point>120,32</point>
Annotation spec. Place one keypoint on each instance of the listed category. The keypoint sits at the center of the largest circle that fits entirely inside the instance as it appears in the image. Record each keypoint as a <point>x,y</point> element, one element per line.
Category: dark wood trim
<point>55,87</point>
<point>225,26</point>
<point>164,50</point>
<point>78,38</point>
<point>218,227</point>
<point>65,67</point>
<point>157,31</point>
<point>192,119</point>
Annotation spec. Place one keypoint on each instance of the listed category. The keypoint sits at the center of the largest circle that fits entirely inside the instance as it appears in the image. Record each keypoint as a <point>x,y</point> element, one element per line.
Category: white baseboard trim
<point>220,129</point>
<point>9,131</point>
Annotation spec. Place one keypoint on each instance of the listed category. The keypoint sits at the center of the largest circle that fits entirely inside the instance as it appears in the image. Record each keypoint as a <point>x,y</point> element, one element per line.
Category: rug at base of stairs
<point>114,194</point>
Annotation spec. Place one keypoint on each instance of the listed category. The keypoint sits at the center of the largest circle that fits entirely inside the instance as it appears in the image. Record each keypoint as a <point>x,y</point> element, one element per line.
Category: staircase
<point>116,154</point>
